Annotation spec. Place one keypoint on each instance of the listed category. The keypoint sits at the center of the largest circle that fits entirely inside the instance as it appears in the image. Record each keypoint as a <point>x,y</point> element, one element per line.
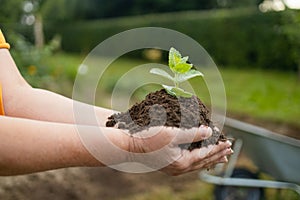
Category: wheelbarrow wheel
<point>239,193</point>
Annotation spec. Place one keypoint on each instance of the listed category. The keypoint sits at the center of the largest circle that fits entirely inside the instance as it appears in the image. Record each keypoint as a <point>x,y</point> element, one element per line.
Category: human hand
<point>158,149</point>
<point>201,158</point>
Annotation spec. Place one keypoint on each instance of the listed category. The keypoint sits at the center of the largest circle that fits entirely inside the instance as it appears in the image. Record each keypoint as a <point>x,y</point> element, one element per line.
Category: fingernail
<point>224,160</point>
<point>205,130</point>
<point>229,152</point>
<point>228,142</point>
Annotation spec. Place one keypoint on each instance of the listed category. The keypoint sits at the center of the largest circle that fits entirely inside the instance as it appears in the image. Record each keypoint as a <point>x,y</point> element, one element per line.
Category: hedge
<point>234,37</point>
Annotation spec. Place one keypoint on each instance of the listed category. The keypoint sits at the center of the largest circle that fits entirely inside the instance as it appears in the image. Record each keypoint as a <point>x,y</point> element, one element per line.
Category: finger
<point>211,153</point>
<point>193,160</point>
<point>215,159</point>
<point>215,149</point>
<point>207,154</point>
<point>184,136</point>
<point>185,162</point>
<point>205,151</point>
<point>181,165</point>
<point>202,158</point>
<point>209,163</point>
<point>212,165</point>
<point>210,150</point>
<point>205,165</point>
<point>224,159</point>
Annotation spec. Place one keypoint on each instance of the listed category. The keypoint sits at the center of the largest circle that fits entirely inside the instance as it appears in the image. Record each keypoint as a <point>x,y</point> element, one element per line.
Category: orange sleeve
<point>1,102</point>
<point>3,43</point>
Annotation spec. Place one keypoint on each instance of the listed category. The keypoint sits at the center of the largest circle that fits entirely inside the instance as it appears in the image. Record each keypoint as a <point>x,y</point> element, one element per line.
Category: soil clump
<point>162,109</point>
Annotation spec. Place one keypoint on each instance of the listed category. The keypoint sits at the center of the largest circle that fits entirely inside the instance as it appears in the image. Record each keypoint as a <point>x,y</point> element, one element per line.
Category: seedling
<point>182,72</point>
<point>183,113</point>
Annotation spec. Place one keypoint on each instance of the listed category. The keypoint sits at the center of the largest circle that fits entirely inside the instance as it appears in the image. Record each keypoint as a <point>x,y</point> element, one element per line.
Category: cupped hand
<point>158,148</point>
<point>201,158</point>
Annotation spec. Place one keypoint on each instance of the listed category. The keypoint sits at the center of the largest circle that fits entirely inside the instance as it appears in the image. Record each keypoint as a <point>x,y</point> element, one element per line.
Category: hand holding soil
<point>174,111</point>
<point>162,109</point>
<point>158,148</point>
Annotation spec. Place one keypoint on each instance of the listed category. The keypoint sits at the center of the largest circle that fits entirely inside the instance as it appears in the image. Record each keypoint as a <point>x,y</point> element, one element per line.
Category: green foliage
<point>99,9</point>
<point>291,29</point>
<point>29,58</point>
<point>177,63</point>
<point>235,37</point>
<point>11,11</point>
<point>60,11</point>
<point>271,96</point>
<point>182,72</point>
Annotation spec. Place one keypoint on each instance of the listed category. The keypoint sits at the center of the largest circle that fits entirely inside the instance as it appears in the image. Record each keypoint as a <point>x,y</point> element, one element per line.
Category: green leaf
<point>162,73</point>
<point>178,92</point>
<point>184,59</point>
<point>182,68</point>
<point>181,93</point>
<point>188,75</point>
<point>182,71</point>
<point>174,57</point>
<point>169,89</point>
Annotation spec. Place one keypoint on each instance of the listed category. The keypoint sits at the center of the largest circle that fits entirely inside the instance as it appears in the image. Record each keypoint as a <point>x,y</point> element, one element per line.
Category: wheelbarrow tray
<point>274,154</point>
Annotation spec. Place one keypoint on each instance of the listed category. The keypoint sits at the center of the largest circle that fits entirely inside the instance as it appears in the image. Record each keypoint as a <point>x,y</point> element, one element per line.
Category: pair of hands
<point>158,149</point>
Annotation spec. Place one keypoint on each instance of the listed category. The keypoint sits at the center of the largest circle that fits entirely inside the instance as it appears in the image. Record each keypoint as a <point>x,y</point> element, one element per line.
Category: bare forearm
<point>44,105</point>
<point>28,146</point>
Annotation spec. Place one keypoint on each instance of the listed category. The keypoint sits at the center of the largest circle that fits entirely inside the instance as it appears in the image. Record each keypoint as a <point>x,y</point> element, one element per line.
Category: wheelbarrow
<point>273,154</point>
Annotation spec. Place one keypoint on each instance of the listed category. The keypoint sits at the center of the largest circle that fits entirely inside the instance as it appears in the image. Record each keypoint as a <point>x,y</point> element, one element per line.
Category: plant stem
<point>176,83</point>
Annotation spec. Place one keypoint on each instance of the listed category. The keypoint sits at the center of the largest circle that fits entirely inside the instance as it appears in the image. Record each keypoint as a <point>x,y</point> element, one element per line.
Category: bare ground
<point>87,184</point>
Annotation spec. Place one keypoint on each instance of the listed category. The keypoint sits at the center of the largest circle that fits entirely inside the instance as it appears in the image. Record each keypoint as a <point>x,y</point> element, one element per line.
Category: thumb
<point>192,135</point>
<point>203,133</point>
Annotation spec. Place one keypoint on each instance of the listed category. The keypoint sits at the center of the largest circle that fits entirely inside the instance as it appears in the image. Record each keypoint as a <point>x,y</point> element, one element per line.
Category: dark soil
<point>162,109</point>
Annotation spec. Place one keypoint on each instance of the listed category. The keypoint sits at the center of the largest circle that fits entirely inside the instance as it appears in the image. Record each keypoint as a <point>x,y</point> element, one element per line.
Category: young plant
<point>182,72</point>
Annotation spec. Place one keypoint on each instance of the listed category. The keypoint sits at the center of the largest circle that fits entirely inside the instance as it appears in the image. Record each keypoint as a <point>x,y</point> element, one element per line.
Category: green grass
<point>261,94</point>
<point>55,73</point>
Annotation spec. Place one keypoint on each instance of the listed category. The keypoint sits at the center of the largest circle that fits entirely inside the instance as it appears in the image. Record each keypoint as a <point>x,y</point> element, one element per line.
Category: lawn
<point>263,94</point>
<point>267,95</point>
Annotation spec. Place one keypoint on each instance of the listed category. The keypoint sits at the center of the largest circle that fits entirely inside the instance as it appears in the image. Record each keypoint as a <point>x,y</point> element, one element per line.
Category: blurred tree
<point>11,11</point>
<point>60,10</point>
<point>106,8</point>
<point>291,28</point>
<point>68,10</point>
<point>157,6</point>
<point>96,9</point>
<point>238,3</point>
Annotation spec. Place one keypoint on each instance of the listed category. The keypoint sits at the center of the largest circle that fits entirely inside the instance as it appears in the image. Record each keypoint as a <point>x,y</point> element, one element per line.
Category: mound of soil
<point>162,109</point>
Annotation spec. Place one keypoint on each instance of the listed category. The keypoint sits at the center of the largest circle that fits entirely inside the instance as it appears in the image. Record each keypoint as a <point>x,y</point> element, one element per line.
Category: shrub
<point>29,58</point>
<point>236,37</point>
<point>242,37</point>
